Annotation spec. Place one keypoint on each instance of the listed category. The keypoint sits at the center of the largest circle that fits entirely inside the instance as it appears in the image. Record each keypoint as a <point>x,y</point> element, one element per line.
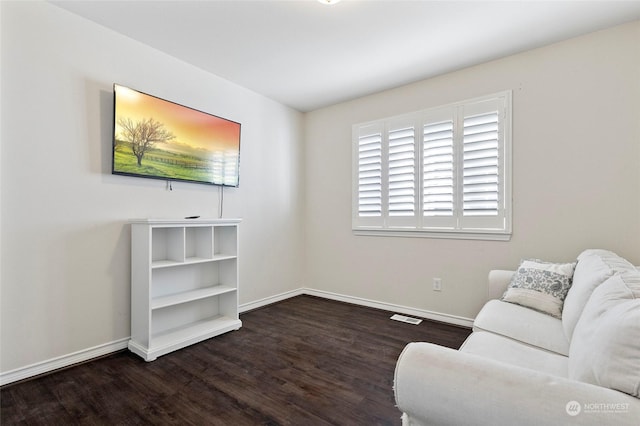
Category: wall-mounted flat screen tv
<point>156,138</point>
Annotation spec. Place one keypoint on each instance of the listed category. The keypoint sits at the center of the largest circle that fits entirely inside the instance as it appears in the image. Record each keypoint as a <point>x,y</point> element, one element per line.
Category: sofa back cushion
<point>605,348</point>
<point>594,267</point>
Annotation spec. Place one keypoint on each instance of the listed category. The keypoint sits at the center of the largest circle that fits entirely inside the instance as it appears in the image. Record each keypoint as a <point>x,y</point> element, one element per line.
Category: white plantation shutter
<point>438,169</point>
<point>480,165</point>
<point>401,172</point>
<point>369,174</point>
<point>440,172</point>
<point>483,165</point>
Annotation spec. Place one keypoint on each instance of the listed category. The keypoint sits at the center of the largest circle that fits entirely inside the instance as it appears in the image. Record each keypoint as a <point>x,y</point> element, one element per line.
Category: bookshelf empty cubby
<point>184,283</point>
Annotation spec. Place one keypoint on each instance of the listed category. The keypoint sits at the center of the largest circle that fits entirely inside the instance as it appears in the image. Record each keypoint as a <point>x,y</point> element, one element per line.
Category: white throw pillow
<point>541,286</point>
<point>605,349</point>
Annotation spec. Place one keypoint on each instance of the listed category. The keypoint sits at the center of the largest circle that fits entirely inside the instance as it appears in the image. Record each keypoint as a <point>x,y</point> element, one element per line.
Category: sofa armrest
<point>440,386</point>
<point>498,282</point>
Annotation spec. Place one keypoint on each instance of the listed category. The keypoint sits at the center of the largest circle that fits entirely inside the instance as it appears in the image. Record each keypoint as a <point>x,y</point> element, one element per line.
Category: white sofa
<point>524,367</point>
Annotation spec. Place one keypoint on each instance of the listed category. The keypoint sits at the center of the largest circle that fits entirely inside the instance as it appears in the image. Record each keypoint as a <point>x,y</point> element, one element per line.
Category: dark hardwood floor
<point>303,361</point>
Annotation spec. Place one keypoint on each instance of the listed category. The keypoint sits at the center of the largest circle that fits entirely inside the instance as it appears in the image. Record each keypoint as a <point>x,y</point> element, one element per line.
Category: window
<point>441,172</point>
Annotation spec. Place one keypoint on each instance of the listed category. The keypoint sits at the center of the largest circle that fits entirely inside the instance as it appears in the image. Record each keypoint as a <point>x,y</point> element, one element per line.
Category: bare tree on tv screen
<point>143,135</point>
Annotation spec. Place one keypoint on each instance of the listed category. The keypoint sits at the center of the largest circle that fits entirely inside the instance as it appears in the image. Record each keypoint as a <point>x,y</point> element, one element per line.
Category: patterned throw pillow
<point>542,286</point>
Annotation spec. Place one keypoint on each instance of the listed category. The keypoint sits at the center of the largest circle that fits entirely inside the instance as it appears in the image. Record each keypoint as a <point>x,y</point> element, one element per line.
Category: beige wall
<point>576,184</point>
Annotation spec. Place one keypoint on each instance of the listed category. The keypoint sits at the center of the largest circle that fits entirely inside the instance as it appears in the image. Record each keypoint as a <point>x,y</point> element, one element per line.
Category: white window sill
<point>429,233</point>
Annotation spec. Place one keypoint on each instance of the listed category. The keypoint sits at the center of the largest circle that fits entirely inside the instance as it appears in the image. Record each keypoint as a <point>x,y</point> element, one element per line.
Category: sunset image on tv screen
<point>160,139</point>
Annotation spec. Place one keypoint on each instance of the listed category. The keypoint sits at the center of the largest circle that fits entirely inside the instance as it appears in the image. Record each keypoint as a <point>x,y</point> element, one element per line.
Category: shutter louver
<point>370,175</point>
<point>481,165</point>
<point>438,173</point>
<point>402,172</point>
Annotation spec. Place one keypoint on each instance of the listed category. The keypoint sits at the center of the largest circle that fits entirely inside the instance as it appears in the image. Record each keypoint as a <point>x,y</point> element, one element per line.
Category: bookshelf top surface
<point>183,222</point>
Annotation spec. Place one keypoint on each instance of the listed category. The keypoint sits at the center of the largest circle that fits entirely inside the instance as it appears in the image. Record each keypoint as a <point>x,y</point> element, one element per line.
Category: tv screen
<point>156,138</point>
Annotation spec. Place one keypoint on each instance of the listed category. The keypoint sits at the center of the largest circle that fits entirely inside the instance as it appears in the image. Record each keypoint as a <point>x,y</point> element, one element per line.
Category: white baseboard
<point>435,316</point>
<point>62,361</point>
<point>269,300</point>
<point>107,348</point>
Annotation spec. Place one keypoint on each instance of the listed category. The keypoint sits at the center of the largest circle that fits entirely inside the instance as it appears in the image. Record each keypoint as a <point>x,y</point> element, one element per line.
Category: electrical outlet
<point>437,284</point>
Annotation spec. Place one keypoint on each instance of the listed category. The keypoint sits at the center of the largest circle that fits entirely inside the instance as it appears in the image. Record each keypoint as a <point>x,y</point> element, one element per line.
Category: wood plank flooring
<point>302,361</point>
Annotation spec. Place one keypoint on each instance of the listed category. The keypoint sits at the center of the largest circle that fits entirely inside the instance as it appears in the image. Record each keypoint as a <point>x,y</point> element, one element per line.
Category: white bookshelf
<point>184,283</point>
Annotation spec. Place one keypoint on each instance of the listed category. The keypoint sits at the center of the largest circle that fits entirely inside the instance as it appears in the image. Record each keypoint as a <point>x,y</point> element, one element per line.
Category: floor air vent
<point>402,318</point>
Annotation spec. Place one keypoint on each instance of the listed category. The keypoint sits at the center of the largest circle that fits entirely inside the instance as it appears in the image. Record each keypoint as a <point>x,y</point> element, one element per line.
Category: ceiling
<point>308,55</point>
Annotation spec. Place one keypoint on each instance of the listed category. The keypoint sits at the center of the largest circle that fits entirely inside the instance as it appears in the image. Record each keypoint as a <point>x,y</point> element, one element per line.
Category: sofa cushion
<point>594,267</point>
<point>499,348</point>
<point>605,348</point>
<point>539,285</point>
<point>522,324</point>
